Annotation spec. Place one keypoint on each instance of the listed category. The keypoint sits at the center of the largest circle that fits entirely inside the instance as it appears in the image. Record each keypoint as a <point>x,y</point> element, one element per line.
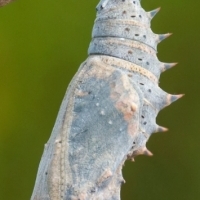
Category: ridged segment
<point>118,9</point>
<point>121,24</point>
<point>124,29</point>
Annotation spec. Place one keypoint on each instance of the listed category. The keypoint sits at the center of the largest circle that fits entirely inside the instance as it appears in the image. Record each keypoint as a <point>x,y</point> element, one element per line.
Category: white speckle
<point>102,112</point>
<point>110,122</point>
<point>121,129</point>
<point>97,104</point>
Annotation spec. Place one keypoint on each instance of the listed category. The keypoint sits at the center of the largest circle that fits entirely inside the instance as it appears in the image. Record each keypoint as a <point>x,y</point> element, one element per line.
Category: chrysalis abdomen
<point>122,33</point>
<point>109,110</point>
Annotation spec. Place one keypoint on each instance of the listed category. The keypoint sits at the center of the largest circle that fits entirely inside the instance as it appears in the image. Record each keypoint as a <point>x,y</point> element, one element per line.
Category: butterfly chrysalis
<point>110,108</point>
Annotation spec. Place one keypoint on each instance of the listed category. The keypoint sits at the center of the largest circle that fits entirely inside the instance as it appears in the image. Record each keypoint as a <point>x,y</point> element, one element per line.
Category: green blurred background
<point>42,43</point>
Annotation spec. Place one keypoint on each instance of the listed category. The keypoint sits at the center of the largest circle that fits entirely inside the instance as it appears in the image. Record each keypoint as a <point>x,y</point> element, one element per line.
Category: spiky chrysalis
<point>110,108</point>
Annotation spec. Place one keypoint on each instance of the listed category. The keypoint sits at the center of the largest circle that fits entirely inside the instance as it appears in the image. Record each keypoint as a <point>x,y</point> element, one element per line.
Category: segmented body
<point>109,110</point>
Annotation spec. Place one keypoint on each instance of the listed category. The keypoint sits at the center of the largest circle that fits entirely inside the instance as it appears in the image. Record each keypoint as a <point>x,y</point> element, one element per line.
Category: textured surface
<point>110,108</point>
<point>34,77</point>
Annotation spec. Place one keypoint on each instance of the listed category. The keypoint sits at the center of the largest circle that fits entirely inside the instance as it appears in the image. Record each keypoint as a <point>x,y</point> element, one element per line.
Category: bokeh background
<point>43,42</point>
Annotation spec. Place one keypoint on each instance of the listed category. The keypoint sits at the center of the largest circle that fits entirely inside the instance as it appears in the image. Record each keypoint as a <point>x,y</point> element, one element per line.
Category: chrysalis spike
<point>122,181</point>
<point>151,14</point>
<point>161,129</point>
<point>141,151</point>
<point>132,159</point>
<point>161,37</point>
<point>171,98</point>
<point>147,152</point>
<point>167,66</point>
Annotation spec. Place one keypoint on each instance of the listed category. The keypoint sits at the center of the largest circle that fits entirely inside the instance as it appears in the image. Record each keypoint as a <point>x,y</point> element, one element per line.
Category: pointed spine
<point>161,37</point>
<point>141,151</point>
<point>147,152</point>
<point>166,66</point>
<point>151,14</point>
<point>171,98</point>
<point>161,129</point>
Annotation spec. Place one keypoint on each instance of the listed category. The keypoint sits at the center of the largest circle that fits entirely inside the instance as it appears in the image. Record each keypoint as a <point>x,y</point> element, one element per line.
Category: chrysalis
<point>110,108</point>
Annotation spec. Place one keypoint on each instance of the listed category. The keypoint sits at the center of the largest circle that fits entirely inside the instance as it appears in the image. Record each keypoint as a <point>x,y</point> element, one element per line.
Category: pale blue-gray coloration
<point>110,108</point>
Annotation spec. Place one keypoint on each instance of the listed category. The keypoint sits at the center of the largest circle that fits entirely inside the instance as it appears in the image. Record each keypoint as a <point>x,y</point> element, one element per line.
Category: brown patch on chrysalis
<point>81,196</point>
<point>80,93</point>
<point>98,68</point>
<point>126,107</point>
<point>126,101</point>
